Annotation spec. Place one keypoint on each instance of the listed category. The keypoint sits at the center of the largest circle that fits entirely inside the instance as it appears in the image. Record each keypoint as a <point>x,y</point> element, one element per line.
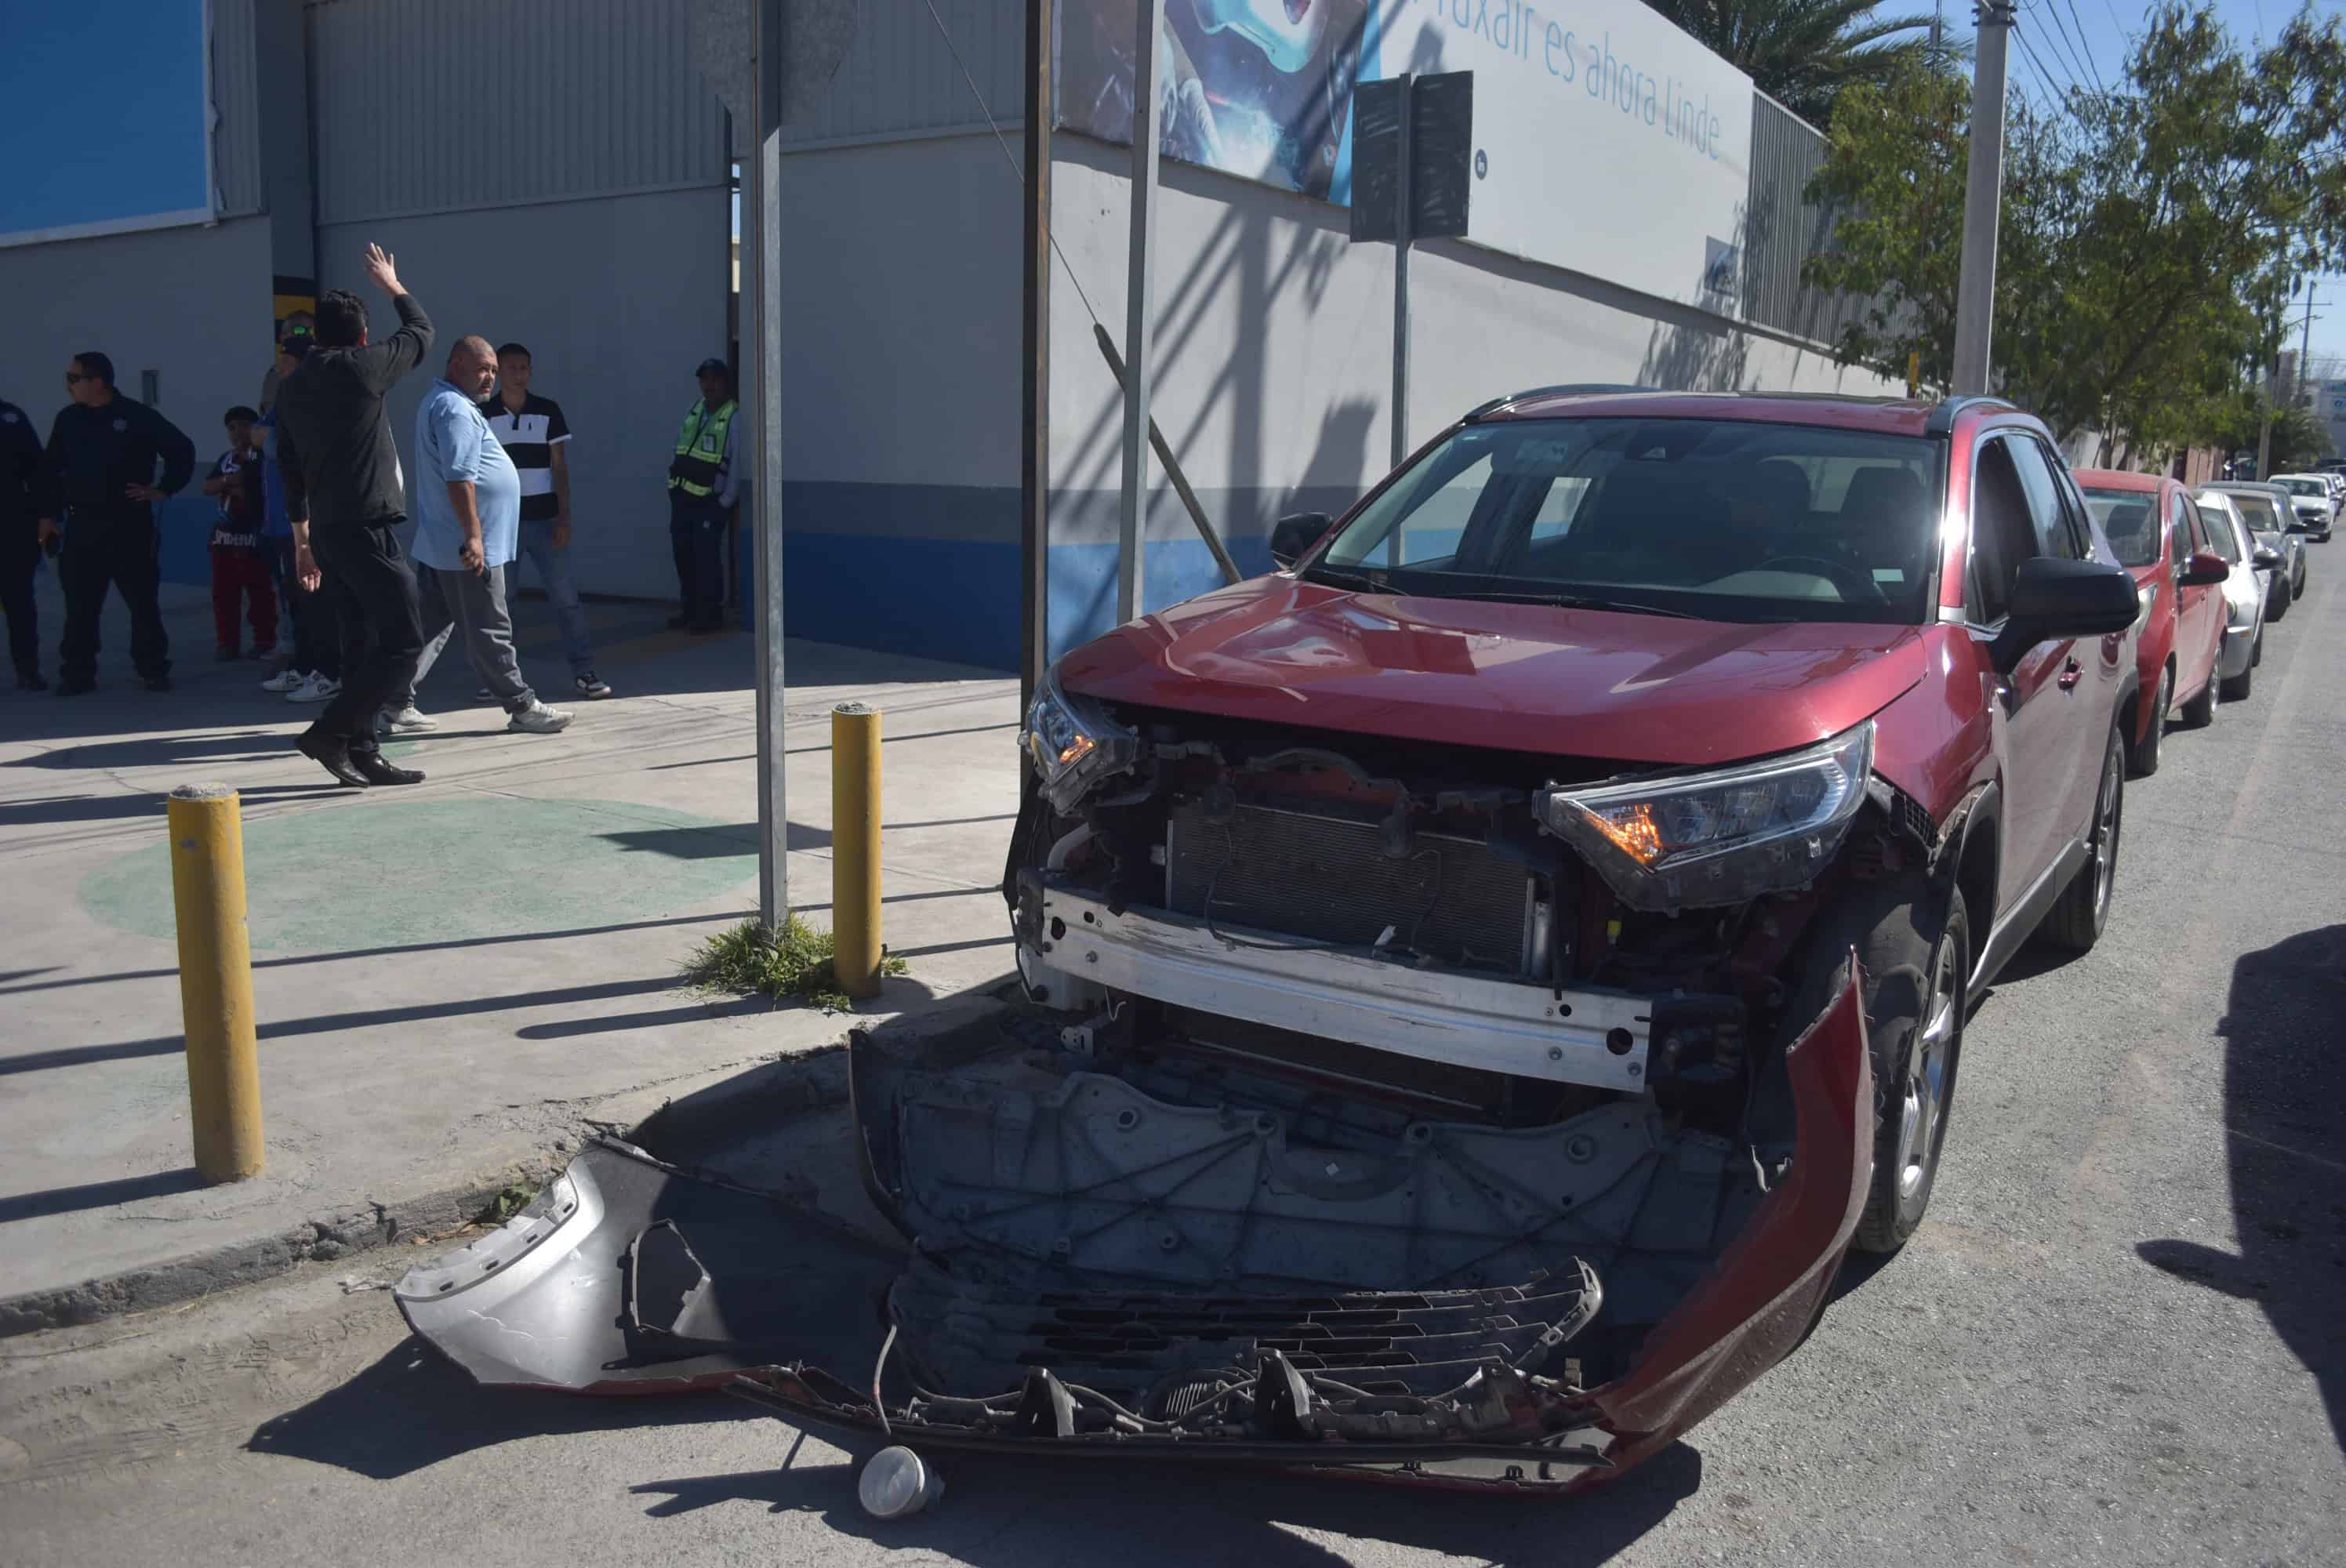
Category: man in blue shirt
<point>468,521</point>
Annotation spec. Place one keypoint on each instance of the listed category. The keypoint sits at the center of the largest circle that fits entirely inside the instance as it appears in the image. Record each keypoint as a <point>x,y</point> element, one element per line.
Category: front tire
<point>2280,599</point>
<point>2142,757</point>
<point>2076,920</point>
<point>1915,1057</point>
<point>2201,711</point>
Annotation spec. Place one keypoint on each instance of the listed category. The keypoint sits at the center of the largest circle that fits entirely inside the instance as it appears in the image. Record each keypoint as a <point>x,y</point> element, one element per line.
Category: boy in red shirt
<point>239,570</point>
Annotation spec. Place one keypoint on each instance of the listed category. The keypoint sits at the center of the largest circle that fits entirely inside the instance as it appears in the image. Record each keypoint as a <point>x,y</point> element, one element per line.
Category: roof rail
<point>1942,417</point>
<point>1565,389</point>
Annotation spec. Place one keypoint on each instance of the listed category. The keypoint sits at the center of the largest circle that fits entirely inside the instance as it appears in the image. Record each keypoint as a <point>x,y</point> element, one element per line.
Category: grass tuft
<point>792,965</point>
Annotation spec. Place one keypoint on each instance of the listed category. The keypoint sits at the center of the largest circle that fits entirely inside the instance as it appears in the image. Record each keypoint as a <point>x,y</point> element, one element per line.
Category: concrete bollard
<point>216,979</point>
<point>855,847</point>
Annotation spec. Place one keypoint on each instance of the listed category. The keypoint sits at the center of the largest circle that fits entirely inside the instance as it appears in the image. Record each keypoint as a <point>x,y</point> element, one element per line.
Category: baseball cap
<point>713,366</point>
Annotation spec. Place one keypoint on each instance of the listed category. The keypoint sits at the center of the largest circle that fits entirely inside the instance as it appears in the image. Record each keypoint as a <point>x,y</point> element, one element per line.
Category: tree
<point>2149,238</point>
<point>1805,53</point>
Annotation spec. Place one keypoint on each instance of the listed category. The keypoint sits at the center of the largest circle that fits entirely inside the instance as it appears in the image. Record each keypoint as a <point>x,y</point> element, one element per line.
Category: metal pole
<point>1035,390</point>
<point>1139,303</point>
<point>216,979</point>
<point>2305,349</point>
<point>759,223</point>
<point>1983,198</point>
<point>1401,288</point>
<point>856,951</point>
<point>2264,427</point>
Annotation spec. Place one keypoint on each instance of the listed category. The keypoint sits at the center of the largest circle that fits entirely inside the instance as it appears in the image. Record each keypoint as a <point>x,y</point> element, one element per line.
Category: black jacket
<point>334,445</point>
<point>25,492</point>
<point>93,452</point>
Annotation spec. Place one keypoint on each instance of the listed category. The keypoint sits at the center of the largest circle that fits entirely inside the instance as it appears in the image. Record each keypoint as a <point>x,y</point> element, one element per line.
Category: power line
<point>2052,88</point>
<point>2085,46</point>
<point>2078,75</point>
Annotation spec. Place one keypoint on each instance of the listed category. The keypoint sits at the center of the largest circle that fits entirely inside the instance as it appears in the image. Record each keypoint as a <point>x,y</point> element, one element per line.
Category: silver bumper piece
<point>1592,1037</point>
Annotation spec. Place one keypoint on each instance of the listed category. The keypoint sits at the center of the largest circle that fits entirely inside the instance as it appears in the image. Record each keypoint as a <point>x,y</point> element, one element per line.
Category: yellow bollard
<point>856,847</point>
<point>216,979</point>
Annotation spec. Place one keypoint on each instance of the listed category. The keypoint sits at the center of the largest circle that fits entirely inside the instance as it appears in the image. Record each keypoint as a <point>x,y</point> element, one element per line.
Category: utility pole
<point>764,353</point>
<point>1400,290</point>
<point>1141,299</point>
<point>1034,389</point>
<point>2305,348</point>
<point>1983,201</point>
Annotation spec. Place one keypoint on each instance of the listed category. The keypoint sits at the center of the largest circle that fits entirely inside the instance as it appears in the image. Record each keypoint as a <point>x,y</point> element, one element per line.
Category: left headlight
<point>1723,836</point>
<point>1073,743</point>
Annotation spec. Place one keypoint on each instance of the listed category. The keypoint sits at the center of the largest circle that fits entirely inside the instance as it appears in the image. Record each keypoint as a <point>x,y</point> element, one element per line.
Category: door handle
<point>2071,673</point>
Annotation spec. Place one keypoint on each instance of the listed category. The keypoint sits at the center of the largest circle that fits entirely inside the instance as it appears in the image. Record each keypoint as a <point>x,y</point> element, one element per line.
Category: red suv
<point>2154,526</point>
<point>1485,973</point>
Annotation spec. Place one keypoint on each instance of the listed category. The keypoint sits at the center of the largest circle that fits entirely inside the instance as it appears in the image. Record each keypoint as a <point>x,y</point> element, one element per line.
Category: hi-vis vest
<point>701,449</point>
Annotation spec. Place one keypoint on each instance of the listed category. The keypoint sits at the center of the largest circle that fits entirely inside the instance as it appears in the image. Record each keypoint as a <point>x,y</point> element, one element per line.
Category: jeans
<point>473,602</point>
<point>20,558</point>
<point>241,581</point>
<point>696,533</point>
<point>553,564</point>
<point>116,550</point>
<point>372,597</point>
<point>317,643</point>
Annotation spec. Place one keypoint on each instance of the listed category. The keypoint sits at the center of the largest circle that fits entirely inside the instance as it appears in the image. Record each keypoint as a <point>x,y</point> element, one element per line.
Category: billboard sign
<point>1606,140</point>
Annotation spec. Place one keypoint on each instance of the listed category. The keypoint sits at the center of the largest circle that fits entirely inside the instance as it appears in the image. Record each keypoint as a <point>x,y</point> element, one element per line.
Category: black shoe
<point>333,753</point>
<point>75,686</point>
<point>371,766</point>
<point>679,622</point>
<point>30,680</point>
<point>159,683</point>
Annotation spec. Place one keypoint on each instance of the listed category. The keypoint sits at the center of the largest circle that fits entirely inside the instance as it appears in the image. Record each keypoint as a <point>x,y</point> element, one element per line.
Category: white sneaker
<point>539,719</point>
<point>286,679</point>
<point>405,721</point>
<point>315,688</point>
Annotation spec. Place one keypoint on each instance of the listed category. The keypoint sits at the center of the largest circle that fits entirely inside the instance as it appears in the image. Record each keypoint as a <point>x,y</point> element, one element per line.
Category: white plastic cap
<point>897,1483</point>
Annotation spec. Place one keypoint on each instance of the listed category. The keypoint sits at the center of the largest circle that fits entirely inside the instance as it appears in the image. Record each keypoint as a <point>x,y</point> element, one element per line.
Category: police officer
<point>24,496</point>
<point>102,452</point>
<point>703,484</point>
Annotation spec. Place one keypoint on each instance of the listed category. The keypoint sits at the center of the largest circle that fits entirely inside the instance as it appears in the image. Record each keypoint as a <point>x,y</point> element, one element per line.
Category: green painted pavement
<point>365,873</point>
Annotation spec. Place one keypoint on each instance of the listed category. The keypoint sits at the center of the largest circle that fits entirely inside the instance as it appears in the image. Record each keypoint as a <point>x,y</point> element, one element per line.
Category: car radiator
<point>1327,880</point>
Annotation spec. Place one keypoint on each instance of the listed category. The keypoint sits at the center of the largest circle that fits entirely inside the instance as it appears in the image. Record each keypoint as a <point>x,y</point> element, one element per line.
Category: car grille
<point>1328,880</point>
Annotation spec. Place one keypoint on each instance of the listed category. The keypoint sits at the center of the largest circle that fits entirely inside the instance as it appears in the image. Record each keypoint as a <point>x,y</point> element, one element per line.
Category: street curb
<point>791,1085</point>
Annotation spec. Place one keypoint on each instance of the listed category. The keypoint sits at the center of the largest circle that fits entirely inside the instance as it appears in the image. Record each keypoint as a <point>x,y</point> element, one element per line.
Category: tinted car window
<point>2051,528</point>
<point>1722,519</point>
<point>2258,510</point>
<point>2130,520</point>
<point>2222,537</point>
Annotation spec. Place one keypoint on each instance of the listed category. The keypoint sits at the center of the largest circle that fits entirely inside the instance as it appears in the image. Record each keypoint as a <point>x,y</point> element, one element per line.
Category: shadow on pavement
<point>2285,1123</point>
<point>1001,1512</point>
<point>51,811</point>
<point>98,1194</point>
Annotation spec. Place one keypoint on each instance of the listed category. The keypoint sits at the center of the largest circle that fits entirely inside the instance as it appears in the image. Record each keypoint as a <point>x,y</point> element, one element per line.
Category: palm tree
<point>1802,53</point>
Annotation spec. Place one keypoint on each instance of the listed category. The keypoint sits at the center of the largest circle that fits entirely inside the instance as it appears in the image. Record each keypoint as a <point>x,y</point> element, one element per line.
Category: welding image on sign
<point>1259,88</point>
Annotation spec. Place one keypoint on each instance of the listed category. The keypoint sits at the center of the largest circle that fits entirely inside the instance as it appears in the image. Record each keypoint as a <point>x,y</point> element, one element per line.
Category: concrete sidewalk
<point>450,979</point>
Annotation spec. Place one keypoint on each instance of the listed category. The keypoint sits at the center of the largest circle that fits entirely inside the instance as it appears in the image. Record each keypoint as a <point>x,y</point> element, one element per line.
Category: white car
<point>2244,592</point>
<point>2314,497</point>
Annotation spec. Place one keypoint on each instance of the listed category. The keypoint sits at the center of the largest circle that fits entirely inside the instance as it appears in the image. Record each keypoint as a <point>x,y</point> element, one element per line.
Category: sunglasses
<point>72,377</point>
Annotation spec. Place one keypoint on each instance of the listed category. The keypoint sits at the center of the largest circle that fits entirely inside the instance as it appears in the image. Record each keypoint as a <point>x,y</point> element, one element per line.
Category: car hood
<point>1523,678</point>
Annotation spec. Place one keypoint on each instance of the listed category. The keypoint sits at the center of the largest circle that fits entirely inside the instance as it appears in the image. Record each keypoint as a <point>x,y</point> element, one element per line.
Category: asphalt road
<point>2120,1338</point>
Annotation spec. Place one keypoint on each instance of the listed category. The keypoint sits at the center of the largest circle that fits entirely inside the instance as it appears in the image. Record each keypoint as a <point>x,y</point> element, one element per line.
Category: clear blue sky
<point>2088,42</point>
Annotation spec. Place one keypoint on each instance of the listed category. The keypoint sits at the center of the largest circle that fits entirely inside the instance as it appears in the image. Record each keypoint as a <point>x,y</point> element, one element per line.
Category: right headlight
<point>1073,743</point>
<point>1723,837</point>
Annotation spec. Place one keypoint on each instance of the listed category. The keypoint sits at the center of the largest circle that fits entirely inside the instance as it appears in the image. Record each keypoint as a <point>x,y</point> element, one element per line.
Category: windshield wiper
<point>1344,577</point>
<point>1566,602</point>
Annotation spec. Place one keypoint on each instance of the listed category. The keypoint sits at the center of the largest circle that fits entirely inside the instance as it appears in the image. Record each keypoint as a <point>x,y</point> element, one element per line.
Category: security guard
<point>24,496</point>
<point>103,452</point>
<point>703,484</point>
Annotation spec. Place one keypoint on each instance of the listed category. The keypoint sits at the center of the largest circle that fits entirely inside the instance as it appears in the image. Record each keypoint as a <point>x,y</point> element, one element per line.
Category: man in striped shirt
<point>533,432</point>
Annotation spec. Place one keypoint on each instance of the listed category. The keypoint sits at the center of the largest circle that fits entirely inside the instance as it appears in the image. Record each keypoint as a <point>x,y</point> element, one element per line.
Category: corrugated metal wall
<point>1783,228</point>
<point>440,105</point>
<point>900,78</point>
<point>236,137</point>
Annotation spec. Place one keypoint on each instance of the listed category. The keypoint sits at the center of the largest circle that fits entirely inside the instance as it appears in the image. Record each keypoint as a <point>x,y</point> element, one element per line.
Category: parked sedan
<point>2159,536</point>
<point>2244,592</point>
<point>2265,508</point>
<point>2313,497</point>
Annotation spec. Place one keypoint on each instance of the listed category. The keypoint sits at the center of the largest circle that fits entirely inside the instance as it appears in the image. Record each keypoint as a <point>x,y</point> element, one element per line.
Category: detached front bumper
<point>630,1275</point>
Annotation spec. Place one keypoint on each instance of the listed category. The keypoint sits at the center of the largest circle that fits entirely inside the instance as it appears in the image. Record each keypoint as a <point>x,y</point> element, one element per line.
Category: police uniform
<point>110,537</point>
<point>23,501</point>
<point>701,490</point>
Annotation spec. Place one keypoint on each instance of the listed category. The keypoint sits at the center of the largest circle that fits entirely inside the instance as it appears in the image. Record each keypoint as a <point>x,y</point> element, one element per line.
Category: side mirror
<point>1291,537</point>
<point>2052,597</point>
<point>2266,559</point>
<point>2203,568</point>
<point>2300,526</point>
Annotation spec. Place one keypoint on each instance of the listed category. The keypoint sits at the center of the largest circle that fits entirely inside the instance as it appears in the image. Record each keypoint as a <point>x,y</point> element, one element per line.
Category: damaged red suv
<point>1481,979</point>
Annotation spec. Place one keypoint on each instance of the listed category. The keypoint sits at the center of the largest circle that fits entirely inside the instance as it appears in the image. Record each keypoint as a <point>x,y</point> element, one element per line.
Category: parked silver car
<point>2313,497</point>
<point>2265,507</point>
<point>2244,591</point>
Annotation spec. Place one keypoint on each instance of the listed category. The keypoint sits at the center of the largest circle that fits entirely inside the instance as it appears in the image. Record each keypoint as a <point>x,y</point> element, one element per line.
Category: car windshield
<point>2259,510</point>
<point>2222,538</point>
<point>1721,519</point>
<point>2313,487</point>
<point>2130,518</point>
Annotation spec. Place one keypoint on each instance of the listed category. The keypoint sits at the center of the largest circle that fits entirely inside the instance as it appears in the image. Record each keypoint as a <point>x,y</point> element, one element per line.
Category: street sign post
<point>1412,176</point>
